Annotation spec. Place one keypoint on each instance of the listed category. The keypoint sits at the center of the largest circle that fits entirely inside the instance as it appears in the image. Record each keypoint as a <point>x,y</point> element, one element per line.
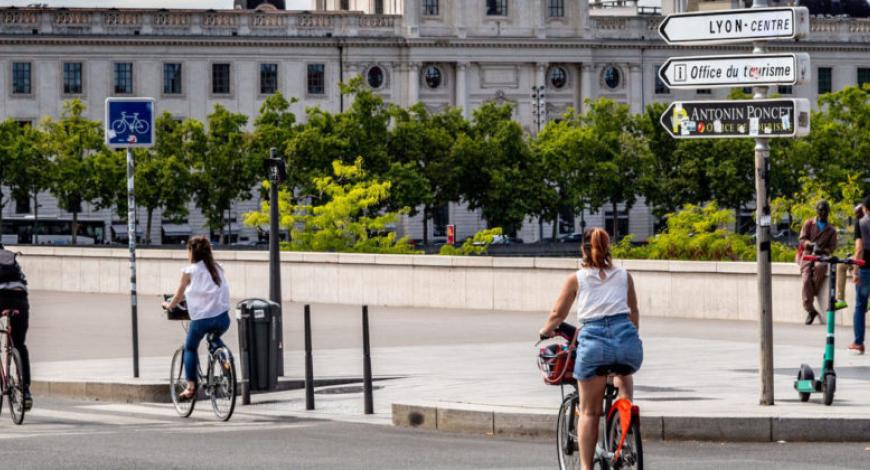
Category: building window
<point>344,5</point>
<point>123,78</point>
<point>375,77</point>
<point>704,91</point>
<point>863,77</point>
<point>220,79</point>
<point>661,88</point>
<point>825,82</point>
<point>268,78</point>
<point>22,204</point>
<point>440,220</point>
<point>612,77</point>
<point>496,8</point>
<point>379,7</point>
<point>171,79</point>
<point>72,78</point>
<point>430,8</point>
<point>433,76</point>
<point>558,77</point>
<point>622,222</point>
<point>21,78</point>
<point>784,89</point>
<point>316,79</point>
<point>556,8</point>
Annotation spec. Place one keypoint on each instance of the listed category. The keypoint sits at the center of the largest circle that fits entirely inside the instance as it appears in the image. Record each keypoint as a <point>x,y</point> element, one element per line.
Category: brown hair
<point>596,249</point>
<point>200,250</point>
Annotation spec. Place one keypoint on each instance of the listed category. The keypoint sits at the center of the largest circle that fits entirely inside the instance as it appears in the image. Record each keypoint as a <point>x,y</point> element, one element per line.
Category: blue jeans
<point>198,329</point>
<point>862,292</point>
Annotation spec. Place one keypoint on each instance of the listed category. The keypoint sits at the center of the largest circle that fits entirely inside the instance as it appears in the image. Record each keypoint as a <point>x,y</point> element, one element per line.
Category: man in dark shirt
<point>862,277</point>
<point>820,238</point>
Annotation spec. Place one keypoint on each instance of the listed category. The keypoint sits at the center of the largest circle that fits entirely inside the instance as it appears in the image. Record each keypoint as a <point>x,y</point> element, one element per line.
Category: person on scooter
<point>817,237</point>
<point>13,298</point>
<point>861,277</point>
<point>608,315</point>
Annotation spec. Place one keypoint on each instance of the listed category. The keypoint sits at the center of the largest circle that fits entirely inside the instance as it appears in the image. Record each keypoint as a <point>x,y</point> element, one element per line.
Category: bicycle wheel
<point>567,449</point>
<point>222,383</point>
<point>15,386</point>
<point>631,456</point>
<point>177,385</point>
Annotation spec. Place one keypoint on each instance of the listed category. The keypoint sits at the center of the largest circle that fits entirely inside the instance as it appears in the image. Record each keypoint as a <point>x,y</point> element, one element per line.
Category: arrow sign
<point>736,70</point>
<point>737,118</point>
<point>726,26</point>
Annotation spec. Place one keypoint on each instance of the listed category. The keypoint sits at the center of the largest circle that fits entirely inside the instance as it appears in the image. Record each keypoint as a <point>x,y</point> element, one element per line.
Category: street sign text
<point>722,26</point>
<point>737,118</point>
<point>736,70</point>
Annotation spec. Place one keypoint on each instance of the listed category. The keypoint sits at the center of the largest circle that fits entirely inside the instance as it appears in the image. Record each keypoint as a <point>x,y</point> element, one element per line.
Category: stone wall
<point>665,288</point>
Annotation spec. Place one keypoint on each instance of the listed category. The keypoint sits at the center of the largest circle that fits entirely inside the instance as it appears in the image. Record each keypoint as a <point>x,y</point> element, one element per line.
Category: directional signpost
<point>760,118</point>
<point>736,70</point>
<point>737,118</point>
<point>130,123</point>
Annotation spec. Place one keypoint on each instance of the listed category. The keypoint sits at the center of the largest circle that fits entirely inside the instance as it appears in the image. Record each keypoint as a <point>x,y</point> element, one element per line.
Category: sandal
<point>188,393</point>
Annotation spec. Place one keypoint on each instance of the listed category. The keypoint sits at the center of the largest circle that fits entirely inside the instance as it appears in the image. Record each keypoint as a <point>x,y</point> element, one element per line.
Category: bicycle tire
<point>141,127</point>
<point>631,457</point>
<point>15,386</point>
<point>567,447</point>
<point>222,383</point>
<point>177,384</point>
<point>119,126</point>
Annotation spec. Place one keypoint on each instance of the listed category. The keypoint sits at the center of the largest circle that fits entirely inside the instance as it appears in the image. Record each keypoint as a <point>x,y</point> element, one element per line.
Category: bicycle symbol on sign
<point>130,124</point>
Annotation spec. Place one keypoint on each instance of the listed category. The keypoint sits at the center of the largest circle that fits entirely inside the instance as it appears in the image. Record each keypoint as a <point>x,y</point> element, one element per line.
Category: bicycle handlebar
<point>835,260</point>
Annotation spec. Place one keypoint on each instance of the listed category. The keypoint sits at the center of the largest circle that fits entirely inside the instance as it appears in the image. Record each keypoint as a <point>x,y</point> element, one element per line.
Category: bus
<point>52,231</point>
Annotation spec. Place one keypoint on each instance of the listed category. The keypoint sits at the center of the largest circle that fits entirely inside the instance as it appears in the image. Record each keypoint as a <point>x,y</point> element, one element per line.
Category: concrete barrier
<point>679,289</point>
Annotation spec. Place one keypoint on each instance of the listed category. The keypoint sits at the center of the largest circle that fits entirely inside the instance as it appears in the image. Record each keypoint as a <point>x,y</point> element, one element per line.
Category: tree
<point>29,159</point>
<point>162,173</point>
<point>222,169</point>
<point>498,173</point>
<point>8,136</point>
<point>72,141</point>
<point>424,171</point>
<point>339,221</point>
<point>621,156</point>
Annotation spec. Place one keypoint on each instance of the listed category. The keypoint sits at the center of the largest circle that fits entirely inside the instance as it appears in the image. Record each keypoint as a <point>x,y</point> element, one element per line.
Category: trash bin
<point>258,342</point>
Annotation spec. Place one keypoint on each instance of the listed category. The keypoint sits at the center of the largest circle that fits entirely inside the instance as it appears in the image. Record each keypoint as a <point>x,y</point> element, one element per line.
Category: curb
<point>494,422</point>
<point>150,391</point>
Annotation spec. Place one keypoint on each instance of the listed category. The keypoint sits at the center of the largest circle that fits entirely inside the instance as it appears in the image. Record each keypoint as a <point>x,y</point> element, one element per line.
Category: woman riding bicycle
<point>608,339</point>
<point>205,288</point>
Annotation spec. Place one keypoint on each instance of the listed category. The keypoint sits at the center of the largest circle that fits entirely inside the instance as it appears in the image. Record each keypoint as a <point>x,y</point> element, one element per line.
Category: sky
<point>216,4</point>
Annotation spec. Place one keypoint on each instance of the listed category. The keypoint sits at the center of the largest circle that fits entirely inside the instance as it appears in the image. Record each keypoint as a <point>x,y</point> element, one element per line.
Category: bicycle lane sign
<point>129,122</point>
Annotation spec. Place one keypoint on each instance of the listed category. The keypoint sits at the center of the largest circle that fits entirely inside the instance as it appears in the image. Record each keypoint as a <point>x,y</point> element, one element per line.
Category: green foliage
<point>339,219</point>
<point>476,245</point>
<point>222,170</point>
<point>699,233</point>
<point>72,141</point>
<point>274,127</point>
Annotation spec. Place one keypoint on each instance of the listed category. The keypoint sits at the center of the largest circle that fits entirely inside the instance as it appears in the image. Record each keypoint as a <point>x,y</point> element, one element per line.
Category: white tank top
<point>597,298</point>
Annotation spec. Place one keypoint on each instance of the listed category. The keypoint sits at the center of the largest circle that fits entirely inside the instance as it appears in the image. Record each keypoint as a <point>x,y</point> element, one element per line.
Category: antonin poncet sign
<point>738,118</point>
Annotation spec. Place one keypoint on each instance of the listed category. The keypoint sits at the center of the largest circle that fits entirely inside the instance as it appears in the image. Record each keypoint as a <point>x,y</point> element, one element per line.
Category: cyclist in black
<point>13,298</point>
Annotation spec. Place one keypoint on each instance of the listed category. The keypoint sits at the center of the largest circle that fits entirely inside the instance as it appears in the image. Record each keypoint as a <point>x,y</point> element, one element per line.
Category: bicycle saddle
<point>614,369</point>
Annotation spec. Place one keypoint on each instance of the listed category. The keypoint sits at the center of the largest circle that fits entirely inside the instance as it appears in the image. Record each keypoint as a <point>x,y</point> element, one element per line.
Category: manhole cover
<point>343,390</point>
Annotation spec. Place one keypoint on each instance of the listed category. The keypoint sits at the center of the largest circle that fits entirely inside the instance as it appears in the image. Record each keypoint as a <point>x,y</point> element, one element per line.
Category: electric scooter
<point>806,382</point>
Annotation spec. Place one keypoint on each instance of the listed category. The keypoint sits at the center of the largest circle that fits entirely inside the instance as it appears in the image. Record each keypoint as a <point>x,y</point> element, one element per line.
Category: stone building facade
<point>439,52</point>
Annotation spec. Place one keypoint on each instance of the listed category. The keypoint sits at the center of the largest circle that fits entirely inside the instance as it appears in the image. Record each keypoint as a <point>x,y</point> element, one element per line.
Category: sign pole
<point>131,239</point>
<point>275,255</point>
<point>762,236</point>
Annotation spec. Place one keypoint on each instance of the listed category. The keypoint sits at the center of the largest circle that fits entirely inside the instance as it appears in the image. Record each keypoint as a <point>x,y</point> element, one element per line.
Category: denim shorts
<point>605,342</point>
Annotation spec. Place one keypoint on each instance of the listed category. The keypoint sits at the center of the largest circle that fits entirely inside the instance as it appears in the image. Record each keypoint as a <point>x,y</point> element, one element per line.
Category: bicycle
<point>125,124</point>
<point>218,383</point>
<point>620,446</point>
<point>11,382</point>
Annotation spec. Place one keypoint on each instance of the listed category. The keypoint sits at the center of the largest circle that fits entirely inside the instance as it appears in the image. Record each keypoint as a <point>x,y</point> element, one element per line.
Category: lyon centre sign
<point>746,25</point>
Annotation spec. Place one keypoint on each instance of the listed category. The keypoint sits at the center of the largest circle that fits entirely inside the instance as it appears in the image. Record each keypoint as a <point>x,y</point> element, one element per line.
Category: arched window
<point>375,77</point>
<point>611,77</point>
<point>433,76</point>
<point>558,77</point>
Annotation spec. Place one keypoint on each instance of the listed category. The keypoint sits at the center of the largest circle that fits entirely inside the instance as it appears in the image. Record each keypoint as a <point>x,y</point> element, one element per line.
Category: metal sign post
<point>760,118</point>
<point>277,174</point>
<point>130,123</point>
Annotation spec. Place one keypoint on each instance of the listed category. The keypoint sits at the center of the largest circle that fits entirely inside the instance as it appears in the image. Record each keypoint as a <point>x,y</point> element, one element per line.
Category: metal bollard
<point>367,364</point>
<point>309,362</point>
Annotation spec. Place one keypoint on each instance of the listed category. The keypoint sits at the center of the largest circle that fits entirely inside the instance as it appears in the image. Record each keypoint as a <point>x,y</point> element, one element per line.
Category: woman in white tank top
<point>608,339</point>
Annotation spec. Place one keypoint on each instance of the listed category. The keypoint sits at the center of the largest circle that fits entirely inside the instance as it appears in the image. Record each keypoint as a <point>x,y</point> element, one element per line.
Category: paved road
<point>91,435</point>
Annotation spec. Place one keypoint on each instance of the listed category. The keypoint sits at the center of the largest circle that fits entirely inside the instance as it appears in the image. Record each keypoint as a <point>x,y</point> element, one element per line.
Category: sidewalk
<point>698,381</point>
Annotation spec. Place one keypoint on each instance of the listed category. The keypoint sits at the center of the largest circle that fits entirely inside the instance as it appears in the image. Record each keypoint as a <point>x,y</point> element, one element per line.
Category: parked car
<point>572,238</point>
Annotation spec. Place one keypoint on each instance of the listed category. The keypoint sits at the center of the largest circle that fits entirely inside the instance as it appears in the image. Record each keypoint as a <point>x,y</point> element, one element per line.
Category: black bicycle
<point>218,383</point>
<point>11,382</point>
